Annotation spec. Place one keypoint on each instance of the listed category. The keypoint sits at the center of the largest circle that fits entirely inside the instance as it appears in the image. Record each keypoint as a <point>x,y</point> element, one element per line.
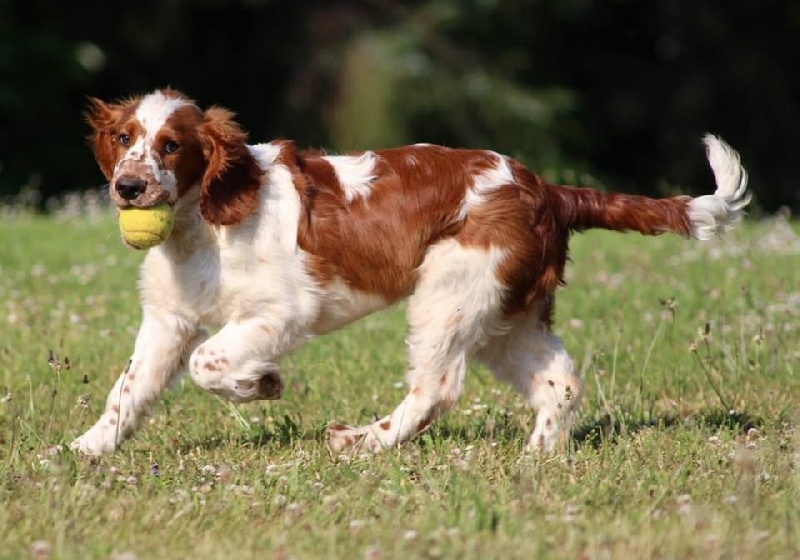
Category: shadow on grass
<point>609,429</point>
<point>606,430</point>
<point>284,433</point>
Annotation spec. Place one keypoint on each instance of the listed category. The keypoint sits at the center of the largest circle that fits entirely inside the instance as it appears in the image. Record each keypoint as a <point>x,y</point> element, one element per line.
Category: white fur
<point>155,109</point>
<point>342,305</point>
<point>487,182</point>
<point>266,153</point>
<point>355,174</point>
<point>710,215</point>
<point>535,362</point>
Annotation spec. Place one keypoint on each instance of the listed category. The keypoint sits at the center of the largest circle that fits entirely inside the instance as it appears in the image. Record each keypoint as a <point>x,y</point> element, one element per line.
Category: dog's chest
<point>221,284</point>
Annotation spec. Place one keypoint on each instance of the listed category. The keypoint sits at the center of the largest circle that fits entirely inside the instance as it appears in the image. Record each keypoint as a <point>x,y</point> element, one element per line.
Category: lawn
<point>686,444</point>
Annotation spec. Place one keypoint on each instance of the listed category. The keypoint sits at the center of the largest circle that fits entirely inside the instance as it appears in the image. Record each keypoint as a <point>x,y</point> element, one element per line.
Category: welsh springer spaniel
<point>276,246</point>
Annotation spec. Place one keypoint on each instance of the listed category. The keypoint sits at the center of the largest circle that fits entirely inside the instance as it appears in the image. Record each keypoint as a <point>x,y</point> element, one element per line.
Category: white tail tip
<point>712,214</point>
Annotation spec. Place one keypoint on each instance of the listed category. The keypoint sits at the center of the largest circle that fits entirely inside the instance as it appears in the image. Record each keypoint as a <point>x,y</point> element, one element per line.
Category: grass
<point>686,444</point>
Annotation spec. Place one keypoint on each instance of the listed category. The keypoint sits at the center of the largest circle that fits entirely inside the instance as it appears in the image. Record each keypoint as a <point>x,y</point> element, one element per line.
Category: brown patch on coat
<point>385,425</point>
<point>426,421</point>
<point>409,208</point>
<point>229,190</point>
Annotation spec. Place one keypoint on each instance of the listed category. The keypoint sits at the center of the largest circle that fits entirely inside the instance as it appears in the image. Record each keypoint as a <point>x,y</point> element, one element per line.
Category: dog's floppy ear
<point>230,184</point>
<point>102,117</point>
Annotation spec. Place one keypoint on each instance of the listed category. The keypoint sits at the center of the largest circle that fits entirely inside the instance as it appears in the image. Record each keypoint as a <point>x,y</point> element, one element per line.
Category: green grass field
<point>686,445</point>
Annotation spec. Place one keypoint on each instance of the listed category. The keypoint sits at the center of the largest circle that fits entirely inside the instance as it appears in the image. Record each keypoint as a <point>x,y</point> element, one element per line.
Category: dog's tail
<point>701,218</point>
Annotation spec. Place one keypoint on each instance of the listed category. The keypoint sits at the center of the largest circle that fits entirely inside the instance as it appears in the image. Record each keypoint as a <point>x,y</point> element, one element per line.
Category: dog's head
<point>159,147</point>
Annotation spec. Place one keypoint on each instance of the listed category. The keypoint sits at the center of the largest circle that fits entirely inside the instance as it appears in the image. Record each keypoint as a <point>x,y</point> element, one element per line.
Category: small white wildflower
<point>127,555</point>
<point>372,553</point>
<point>40,550</point>
<point>293,508</point>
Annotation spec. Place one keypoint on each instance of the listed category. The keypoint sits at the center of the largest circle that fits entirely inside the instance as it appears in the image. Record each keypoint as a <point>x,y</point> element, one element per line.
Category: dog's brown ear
<point>232,179</point>
<point>102,117</point>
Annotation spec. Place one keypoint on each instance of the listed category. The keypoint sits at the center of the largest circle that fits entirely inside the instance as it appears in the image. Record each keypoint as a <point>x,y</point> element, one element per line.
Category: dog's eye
<point>171,146</point>
<point>124,139</point>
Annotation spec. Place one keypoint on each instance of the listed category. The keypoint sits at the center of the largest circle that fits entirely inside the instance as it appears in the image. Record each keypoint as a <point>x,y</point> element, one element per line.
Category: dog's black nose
<point>129,187</point>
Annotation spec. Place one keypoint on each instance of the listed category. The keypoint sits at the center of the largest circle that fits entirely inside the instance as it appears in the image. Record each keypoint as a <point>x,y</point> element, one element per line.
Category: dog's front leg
<point>162,347</point>
<point>240,362</point>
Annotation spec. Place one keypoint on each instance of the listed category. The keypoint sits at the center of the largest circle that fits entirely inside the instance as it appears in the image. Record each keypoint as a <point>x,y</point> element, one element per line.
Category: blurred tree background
<point>615,93</point>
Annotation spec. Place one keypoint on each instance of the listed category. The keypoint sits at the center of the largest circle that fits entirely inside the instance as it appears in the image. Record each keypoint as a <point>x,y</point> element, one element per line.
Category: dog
<point>275,246</point>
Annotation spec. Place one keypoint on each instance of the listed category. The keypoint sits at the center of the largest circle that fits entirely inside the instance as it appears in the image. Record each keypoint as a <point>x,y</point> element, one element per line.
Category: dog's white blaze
<point>134,153</point>
<point>154,110</point>
<point>152,114</point>
<point>355,174</point>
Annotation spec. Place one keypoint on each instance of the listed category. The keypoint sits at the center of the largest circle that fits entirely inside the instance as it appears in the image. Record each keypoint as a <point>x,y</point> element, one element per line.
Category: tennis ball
<point>143,228</point>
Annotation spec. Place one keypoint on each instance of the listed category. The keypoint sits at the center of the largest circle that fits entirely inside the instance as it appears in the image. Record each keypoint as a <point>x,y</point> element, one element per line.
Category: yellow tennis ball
<point>143,228</point>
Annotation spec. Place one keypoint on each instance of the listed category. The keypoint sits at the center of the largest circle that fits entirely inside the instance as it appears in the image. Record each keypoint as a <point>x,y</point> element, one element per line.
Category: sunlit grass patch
<point>685,446</point>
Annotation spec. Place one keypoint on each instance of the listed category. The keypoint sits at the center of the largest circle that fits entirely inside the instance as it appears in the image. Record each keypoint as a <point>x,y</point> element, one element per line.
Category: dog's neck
<point>191,231</point>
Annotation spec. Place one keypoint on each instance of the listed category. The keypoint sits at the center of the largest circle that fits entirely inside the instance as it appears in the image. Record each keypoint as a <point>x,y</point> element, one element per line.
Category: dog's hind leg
<point>534,361</point>
<point>456,307</point>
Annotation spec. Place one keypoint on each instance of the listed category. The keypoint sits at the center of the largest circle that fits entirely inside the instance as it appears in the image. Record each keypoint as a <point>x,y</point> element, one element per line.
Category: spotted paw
<point>359,439</point>
<point>341,436</point>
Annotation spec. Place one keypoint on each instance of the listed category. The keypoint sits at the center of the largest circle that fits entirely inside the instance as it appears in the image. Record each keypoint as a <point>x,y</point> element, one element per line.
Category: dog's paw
<point>90,447</point>
<point>341,437</point>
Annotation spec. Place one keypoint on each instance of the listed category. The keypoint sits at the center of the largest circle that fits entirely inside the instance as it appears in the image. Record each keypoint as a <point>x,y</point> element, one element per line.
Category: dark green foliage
<point>615,92</point>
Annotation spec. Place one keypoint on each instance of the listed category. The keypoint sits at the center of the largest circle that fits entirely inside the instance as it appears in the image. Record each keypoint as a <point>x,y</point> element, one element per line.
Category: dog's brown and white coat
<point>276,246</point>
